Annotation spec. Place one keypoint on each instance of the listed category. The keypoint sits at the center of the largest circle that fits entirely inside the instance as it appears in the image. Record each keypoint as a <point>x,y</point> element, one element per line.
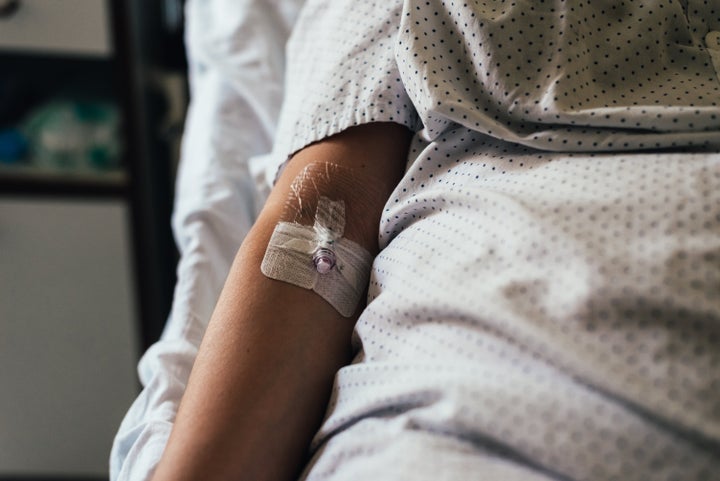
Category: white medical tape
<point>289,258</point>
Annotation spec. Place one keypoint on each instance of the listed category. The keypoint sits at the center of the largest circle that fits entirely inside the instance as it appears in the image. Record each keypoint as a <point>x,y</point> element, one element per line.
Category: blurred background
<point>92,100</point>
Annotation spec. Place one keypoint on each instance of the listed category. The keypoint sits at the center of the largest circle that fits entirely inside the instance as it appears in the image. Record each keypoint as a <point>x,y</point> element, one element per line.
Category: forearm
<point>260,384</point>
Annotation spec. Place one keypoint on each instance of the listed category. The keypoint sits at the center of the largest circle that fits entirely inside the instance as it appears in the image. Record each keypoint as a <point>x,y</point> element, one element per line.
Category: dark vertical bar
<point>149,172</point>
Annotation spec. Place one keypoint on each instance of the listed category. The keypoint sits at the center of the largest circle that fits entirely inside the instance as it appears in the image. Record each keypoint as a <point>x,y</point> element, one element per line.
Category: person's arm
<point>263,375</point>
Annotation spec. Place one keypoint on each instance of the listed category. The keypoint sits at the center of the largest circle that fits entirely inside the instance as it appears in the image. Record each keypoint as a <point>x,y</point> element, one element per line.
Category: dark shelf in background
<point>27,180</point>
<point>29,80</point>
<point>51,478</point>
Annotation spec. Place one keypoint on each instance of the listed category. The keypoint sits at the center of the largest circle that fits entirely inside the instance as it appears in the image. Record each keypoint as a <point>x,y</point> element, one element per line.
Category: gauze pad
<point>319,258</point>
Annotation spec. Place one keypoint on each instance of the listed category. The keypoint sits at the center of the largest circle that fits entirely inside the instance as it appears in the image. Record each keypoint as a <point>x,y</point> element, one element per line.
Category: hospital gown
<point>546,304</point>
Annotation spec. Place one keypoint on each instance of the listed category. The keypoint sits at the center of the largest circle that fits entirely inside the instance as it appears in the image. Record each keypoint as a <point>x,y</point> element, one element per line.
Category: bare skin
<point>261,381</point>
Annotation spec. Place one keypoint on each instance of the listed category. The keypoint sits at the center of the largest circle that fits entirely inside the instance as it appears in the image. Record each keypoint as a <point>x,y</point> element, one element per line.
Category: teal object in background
<point>74,135</point>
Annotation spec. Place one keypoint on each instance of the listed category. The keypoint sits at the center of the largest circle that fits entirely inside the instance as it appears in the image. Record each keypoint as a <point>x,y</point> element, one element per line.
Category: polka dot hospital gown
<point>547,301</point>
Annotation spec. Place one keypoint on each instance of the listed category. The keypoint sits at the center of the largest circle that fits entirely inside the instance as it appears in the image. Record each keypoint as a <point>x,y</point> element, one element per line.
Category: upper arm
<point>359,166</point>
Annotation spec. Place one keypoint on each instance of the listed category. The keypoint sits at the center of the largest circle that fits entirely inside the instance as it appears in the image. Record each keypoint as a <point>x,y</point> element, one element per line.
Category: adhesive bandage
<point>318,257</point>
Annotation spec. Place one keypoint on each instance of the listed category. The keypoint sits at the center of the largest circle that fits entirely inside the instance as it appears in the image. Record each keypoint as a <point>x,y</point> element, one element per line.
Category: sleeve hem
<point>305,135</point>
